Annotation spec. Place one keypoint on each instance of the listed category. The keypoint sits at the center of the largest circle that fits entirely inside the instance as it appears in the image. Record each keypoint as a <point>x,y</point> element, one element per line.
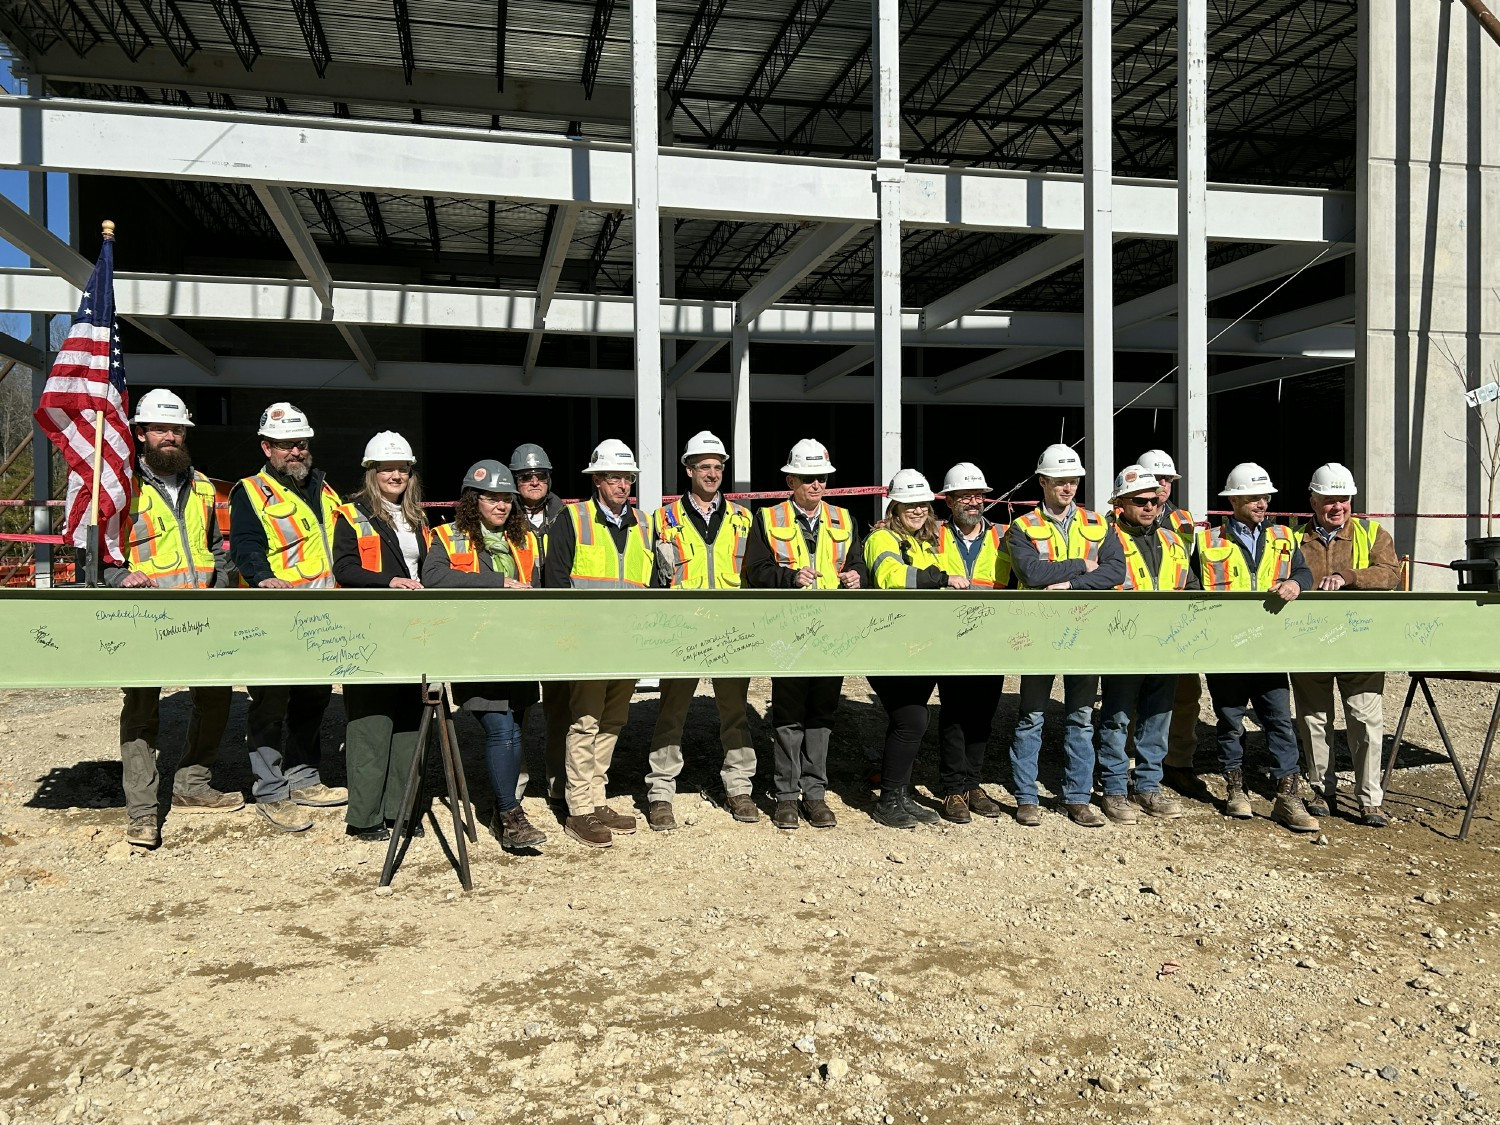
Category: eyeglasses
<point>617,478</point>
<point>813,480</point>
<point>1145,501</point>
<point>288,446</point>
<point>532,475</point>
<point>496,498</point>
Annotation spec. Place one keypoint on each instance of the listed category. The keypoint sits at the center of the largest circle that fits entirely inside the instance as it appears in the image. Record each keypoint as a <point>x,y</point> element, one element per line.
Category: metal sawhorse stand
<point>465,829</point>
<point>1470,791</point>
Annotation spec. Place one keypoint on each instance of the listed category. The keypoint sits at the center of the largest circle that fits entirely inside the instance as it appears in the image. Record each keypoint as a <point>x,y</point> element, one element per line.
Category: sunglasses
<point>288,446</point>
<point>813,480</point>
<point>530,476</point>
<point>1144,501</point>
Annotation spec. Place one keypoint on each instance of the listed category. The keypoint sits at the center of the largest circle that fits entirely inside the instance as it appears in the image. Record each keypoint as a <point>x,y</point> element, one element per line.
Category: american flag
<point>89,375</point>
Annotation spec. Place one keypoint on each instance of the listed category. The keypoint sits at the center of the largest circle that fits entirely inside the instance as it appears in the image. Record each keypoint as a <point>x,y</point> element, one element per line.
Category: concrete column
<point>889,174</point>
<point>1191,453</point>
<point>1429,315</point>
<point>645,125</point>
<point>1098,260</point>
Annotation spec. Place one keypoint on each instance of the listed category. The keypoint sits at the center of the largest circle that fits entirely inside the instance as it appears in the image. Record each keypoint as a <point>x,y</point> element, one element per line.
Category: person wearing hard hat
<point>1182,734</point>
<point>1344,552</point>
<point>531,469</point>
<point>804,543</point>
<point>1246,552</point>
<point>1060,545</point>
<point>490,545</point>
<point>701,539</point>
<point>380,538</point>
<point>169,540</point>
<point>280,531</point>
<point>973,552</point>
<point>602,543</point>
<point>901,554</point>
<point>1156,558</point>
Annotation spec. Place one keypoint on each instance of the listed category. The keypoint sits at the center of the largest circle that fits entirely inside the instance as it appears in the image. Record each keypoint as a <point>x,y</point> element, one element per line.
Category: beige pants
<point>1182,735</point>
<point>734,735</point>
<point>1364,718</point>
<point>600,708</point>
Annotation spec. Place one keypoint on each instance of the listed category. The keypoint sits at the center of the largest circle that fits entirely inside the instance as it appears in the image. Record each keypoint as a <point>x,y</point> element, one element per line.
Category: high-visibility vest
<point>1223,560</point>
<point>1362,534</point>
<point>991,565</point>
<point>1181,521</point>
<point>894,558</point>
<point>1086,533</point>
<point>699,565</point>
<point>297,540</point>
<point>367,536</point>
<point>172,552</point>
<point>1174,562</point>
<point>597,563</point>
<point>463,556</point>
<point>835,532</point>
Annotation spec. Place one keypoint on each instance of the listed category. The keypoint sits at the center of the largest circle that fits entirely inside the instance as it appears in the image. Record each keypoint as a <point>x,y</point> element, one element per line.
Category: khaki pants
<point>734,734</point>
<point>1182,735</point>
<point>1364,719</point>
<point>599,708</point>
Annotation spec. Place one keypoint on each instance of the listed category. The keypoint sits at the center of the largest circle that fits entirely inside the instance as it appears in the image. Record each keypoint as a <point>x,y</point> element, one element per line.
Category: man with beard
<point>280,530</point>
<point>171,540</point>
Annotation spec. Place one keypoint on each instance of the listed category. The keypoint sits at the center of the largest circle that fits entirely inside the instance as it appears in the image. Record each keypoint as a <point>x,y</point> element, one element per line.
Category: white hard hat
<point>1159,463</point>
<point>1248,479</point>
<point>1333,479</point>
<point>808,458</point>
<point>965,477</point>
<point>161,405</point>
<point>1059,461</point>
<point>387,445</point>
<point>283,420</point>
<point>1133,479</point>
<point>612,456</point>
<point>909,487</point>
<point>704,443</point>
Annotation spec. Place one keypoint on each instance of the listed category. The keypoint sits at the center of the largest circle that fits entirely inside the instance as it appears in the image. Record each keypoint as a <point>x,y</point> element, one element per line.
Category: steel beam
<point>889,181</point>
<point>739,407</point>
<point>845,363</point>
<point>1024,269</point>
<point>1339,310</point>
<point>645,123</point>
<point>1098,258</point>
<point>1191,421</point>
<point>1273,371</point>
<point>564,221</point>
<point>22,352</point>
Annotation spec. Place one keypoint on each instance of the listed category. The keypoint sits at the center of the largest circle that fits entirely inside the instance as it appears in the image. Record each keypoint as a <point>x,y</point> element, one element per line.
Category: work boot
<point>956,808</point>
<point>923,814</point>
<point>285,814</point>
<point>1236,800</point>
<point>890,810</point>
<point>1028,816</point>
<point>982,804</point>
<point>321,796</point>
<point>1085,816</point>
<point>589,831</point>
<point>743,809</point>
<point>376,834</point>
<point>618,823</point>
<point>817,813</point>
<point>784,816</point>
<point>1372,816</point>
<point>1118,808</point>
<point>1185,780</point>
<point>143,831</point>
<point>1317,805</point>
<point>513,830</point>
<point>659,816</point>
<point>207,801</point>
<point>1289,809</point>
<point>1158,804</point>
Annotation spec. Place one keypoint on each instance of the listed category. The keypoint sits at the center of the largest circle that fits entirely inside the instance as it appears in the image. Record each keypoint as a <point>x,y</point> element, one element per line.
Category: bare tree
<point>1486,448</point>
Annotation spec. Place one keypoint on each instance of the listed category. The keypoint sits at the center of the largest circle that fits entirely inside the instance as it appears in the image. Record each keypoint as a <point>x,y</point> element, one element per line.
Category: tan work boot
<point>321,796</point>
<point>1085,815</point>
<point>1236,801</point>
<point>286,815</point>
<point>1158,804</point>
<point>589,830</point>
<point>1289,809</point>
<point>143,832</point>
<point>1118,808</point>
<point>659,816</point>
<point>207,801</point>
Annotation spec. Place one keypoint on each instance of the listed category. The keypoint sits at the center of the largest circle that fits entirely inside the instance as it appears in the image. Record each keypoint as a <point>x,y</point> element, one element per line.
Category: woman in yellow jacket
<point>901,553</point>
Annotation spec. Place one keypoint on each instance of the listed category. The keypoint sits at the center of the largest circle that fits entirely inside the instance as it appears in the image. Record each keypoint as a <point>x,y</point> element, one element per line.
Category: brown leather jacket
<point>1337,557</point>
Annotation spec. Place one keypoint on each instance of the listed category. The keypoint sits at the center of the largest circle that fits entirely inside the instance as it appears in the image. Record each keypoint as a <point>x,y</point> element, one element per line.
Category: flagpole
<point>92,573</point>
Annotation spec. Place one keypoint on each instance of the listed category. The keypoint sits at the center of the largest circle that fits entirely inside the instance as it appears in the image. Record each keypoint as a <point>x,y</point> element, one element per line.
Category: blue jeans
<point>1234,694</point>
<point>1078,738</point>
<point>1150,698</point>
<point>502,755</point>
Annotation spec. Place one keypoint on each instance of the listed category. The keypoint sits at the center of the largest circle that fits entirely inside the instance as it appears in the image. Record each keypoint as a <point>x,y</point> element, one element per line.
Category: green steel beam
<point>105,638</point>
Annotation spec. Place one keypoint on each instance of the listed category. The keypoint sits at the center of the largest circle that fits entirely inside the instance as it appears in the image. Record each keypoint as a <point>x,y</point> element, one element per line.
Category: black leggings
<point>905,701</point>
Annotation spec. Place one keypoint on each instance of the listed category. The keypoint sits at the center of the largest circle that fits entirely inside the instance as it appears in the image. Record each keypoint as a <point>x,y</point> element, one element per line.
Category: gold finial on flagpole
<point>109,228</point>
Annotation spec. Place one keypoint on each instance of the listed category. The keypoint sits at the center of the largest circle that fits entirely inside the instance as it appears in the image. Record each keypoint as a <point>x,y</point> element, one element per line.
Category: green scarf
<point>499,551</point>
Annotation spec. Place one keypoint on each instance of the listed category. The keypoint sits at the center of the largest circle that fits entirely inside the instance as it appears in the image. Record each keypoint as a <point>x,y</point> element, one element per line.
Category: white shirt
<point>406,536</point>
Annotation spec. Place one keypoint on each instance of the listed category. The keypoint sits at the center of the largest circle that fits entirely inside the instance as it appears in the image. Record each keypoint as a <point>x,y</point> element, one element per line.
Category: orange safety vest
<point>367,537</point>
<point>463,556</point>
<point>297,538</point>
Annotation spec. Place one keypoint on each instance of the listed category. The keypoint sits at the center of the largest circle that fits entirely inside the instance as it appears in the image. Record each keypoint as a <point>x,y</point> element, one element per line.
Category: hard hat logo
<point>481,472</point>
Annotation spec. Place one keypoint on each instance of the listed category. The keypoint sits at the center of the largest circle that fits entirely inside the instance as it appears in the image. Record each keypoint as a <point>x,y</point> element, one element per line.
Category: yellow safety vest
<point>1085,535</point>
<point>297,540</point>
<point>991,565</point>
<point>172,553</point>
<point>1183,523</point>
<point>699,566</point>
<point>367,536</point>
<point>597,565</point>
<point>1224,565</point>
<point>835,531</point>
<point>1174,563</point>
<point>1362,534</point>
<point>894,558</point>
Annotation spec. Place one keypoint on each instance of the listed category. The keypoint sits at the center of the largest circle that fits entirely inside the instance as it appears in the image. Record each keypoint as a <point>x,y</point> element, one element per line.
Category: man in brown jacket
<point>1344,552</point>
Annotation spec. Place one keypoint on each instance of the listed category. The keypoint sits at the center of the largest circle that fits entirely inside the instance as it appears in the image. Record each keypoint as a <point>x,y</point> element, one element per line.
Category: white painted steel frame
<point>1098,252</point>
<point>645,122</point>
<point>889,184</point>
<point>1191,421</point>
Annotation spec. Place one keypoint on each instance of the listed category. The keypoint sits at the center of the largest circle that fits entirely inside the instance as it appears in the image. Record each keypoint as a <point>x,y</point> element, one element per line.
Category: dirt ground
<point>1193,970</point>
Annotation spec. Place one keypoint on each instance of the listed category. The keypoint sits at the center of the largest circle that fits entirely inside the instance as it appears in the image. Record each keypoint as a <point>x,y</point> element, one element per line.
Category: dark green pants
<point>140,723</point>
<point>379,744</point>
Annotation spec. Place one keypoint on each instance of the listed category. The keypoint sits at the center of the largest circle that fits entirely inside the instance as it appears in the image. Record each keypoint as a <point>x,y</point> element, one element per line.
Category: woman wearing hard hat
<point>901,554</point>
<point>490,545</point>
<point>380,538</point>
